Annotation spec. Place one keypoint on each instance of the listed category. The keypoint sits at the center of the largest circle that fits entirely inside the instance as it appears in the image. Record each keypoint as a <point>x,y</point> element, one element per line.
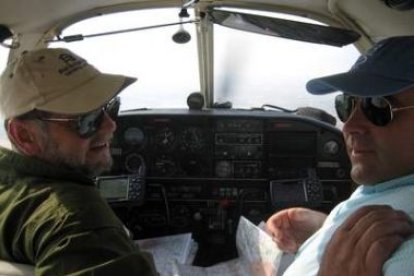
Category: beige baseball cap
<point>58,81</point>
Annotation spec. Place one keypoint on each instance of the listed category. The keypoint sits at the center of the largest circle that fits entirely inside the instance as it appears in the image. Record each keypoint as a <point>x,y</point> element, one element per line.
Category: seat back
<point>15,269</point>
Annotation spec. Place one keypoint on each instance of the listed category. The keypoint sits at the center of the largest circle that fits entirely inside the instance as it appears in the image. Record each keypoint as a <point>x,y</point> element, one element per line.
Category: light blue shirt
<point>398,193</point>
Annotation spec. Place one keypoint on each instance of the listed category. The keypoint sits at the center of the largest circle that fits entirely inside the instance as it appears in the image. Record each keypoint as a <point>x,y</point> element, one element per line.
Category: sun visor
<point>284,28</point>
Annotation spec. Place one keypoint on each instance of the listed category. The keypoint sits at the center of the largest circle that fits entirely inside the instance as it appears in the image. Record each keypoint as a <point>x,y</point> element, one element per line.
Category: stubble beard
<point>54,156</point>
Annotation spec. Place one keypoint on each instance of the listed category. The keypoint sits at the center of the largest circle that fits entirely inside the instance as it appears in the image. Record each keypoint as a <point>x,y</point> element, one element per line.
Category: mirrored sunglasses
<point>88,124</point>
<point>378,110</point>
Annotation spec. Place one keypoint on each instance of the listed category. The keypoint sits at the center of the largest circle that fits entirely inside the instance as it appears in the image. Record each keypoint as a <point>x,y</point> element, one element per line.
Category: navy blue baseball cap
<point>386,69</point>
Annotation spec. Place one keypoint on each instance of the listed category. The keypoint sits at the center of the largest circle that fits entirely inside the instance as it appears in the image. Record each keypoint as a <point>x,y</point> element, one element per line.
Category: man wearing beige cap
<point>59,116</point>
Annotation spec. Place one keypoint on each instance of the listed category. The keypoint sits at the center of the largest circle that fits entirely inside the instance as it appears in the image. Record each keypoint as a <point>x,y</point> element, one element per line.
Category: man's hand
<point>362,244</point>
<point>291,227</point>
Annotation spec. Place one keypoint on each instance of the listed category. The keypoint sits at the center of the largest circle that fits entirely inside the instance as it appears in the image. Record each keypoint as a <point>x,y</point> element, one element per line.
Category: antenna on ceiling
<point>182,36</point>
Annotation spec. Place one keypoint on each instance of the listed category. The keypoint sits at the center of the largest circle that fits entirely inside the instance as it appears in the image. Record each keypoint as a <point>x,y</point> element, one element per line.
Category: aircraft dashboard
<point>199,170</point>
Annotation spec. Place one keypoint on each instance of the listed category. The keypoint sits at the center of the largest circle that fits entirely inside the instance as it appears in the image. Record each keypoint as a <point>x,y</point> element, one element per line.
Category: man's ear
<point>25,136</point>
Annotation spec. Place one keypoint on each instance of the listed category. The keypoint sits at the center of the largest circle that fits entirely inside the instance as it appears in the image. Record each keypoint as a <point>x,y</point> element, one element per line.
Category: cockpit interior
<point>192,152</point>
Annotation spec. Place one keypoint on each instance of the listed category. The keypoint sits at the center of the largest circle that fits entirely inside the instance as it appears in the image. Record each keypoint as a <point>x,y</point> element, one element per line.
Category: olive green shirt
<point>56,220</point>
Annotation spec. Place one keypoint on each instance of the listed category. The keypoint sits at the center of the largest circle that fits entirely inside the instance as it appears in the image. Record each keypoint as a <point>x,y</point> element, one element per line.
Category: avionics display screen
<point>292,191</point>
<point>114,188</point>
<point>295,143</point>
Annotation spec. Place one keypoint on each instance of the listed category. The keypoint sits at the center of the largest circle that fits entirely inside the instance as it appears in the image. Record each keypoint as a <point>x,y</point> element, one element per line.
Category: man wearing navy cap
<point>370,233</point>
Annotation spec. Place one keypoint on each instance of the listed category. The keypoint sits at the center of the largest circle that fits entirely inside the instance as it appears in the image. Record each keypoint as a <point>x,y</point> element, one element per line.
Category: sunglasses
<point>378,110</point>
<point>88,124</point>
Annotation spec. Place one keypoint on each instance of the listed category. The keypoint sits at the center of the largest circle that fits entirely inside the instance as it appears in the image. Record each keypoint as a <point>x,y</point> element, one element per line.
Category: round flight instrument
<point>164,138</point>
<point>193,139</point>
<point>134,136</point>
<point>331,148</point>
<point>134,163</point>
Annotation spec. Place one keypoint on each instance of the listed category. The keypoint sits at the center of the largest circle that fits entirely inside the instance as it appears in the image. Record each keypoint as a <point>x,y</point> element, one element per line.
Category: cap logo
<point>72,64</point>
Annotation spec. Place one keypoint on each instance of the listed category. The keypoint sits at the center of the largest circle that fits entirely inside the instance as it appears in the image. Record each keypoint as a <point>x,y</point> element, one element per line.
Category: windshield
<point>167,71</point>
<point>253,69</point>
<point>249,69</point>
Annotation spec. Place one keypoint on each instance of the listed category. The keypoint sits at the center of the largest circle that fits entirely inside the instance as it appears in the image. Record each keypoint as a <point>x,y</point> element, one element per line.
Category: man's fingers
<point>276,221</point>
<point>285,241</point>
<point>372,223</point>
<point>380,251</point>
<point>354,218</point>
<point>385,228</point>
<point>367,220</point>
<point>384,247</point>
<point>362,244</point>
<point>380,224</point>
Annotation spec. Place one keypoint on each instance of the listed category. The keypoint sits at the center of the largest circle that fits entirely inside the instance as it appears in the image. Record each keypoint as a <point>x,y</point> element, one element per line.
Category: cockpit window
<point>250,70</point>
<point>253,69</point>
<point>167,71</point>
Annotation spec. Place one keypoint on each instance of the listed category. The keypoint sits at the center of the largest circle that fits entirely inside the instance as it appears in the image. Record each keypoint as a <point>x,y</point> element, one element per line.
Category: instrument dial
<point>331,148</point>
<point>165,139</point>
<point>193,139</point>
<point>134,136</point>
<point>134,163</point>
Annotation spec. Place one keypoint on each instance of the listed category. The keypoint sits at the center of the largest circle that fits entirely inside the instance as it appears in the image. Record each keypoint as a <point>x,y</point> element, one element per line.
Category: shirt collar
<point>386,185</point>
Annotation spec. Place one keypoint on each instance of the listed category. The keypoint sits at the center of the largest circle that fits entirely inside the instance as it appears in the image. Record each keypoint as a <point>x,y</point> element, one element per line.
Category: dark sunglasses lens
<point>113,108</point>
<point>344,106</point>
<point>377,110</point>
<point>89,123</point>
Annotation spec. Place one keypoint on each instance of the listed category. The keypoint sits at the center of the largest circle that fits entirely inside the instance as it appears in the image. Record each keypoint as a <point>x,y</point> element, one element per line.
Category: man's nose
<point>108,124</point>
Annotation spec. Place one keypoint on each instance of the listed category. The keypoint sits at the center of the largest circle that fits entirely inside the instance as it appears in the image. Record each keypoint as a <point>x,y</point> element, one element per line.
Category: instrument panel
<point>227,145</point>
<point>204,169</point>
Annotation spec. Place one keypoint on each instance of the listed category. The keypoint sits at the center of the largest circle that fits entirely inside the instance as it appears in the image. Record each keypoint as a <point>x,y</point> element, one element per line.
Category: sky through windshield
<point>250,69</point>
